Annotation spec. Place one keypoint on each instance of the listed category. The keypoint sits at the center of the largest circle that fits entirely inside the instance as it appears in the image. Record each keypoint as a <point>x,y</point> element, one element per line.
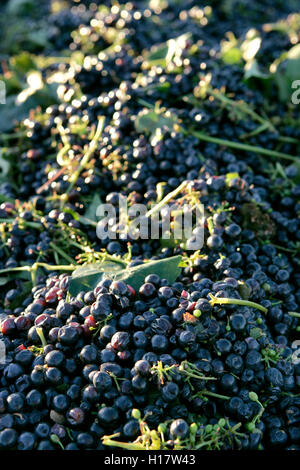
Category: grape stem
<point>213,394</point>
<point>166,199</point>
<point>41,336</point>
<point>294,314</point>
<point>49,267</point>
<point>90,151</point>
<point>228,301</point>
<point>109,441</point>
<point>241,146</point>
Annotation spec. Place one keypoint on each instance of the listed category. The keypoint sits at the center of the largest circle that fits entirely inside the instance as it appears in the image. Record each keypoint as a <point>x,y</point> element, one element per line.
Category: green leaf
<point>26,289</point>
<point>6,199</point>
<point>12,84</point>
<point>10,113</point>
<point>38,38</point>
<point>166,268</point>
<point>91,211</point>
<point>19,7</point>
<point>87,277</point>
<point>24,275</point>
<point>4,166</point>
<point>4,280</point>
<point>287,71</point>
<point>296,179</point>
<point>158,56</point>
<point>23,62</point>
<point>252,70</point>
<point>15,111</point>
<point>148,121</point>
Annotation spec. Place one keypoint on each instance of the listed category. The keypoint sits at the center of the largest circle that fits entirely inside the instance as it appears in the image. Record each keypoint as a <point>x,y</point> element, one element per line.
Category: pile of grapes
<point>129,340</point>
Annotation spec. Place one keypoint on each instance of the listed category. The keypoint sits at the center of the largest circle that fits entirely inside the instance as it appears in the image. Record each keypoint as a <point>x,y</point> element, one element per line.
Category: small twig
<point>228,301</point>
<point>294,314</point>
<point>85,159</point>
<point>62,253</point>
<point>240,146</point>
<point>166,199</point>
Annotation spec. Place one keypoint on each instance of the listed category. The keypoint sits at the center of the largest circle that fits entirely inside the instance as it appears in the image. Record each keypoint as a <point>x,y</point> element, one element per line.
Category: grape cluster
<point>78,367</point>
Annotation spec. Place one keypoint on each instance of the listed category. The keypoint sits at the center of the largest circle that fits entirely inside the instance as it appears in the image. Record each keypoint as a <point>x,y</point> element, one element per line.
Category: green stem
<point>25,222</point>
<point>241,106</point>
<point>213,394</point>
<point>86,221</point>
<point>256,131</point>
<point>240,146</point>
<point>107,257</point>
<point>41,336</point>
<point>115,379</point>
<point>189,372</point>
<point>167,198</point>
<point>69,434</point>
<point>80,247</point>
<point>294,314</point>
<point>253,397</point>
<point>47,266</point>
<point>62,253</point>
<point>36,225</point>
<point>19,268</point>
<point>91,149</point>
<point>59,267</point>
<point>210,225</point>
<point>282,248</point>
<point>54,438</point>
<point>67,146</point>
<point>289,140</point>
<point>160,191</point>
<point>60,156</point>
<point>122,445</point>
<point>16,135</point>
<point>198,377</point>
<point>63,135</point>
<point>145,103</point>
<point>226,301</point>
<point>33,273</point>
<point>246,109</point>
<point>206,443</point>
